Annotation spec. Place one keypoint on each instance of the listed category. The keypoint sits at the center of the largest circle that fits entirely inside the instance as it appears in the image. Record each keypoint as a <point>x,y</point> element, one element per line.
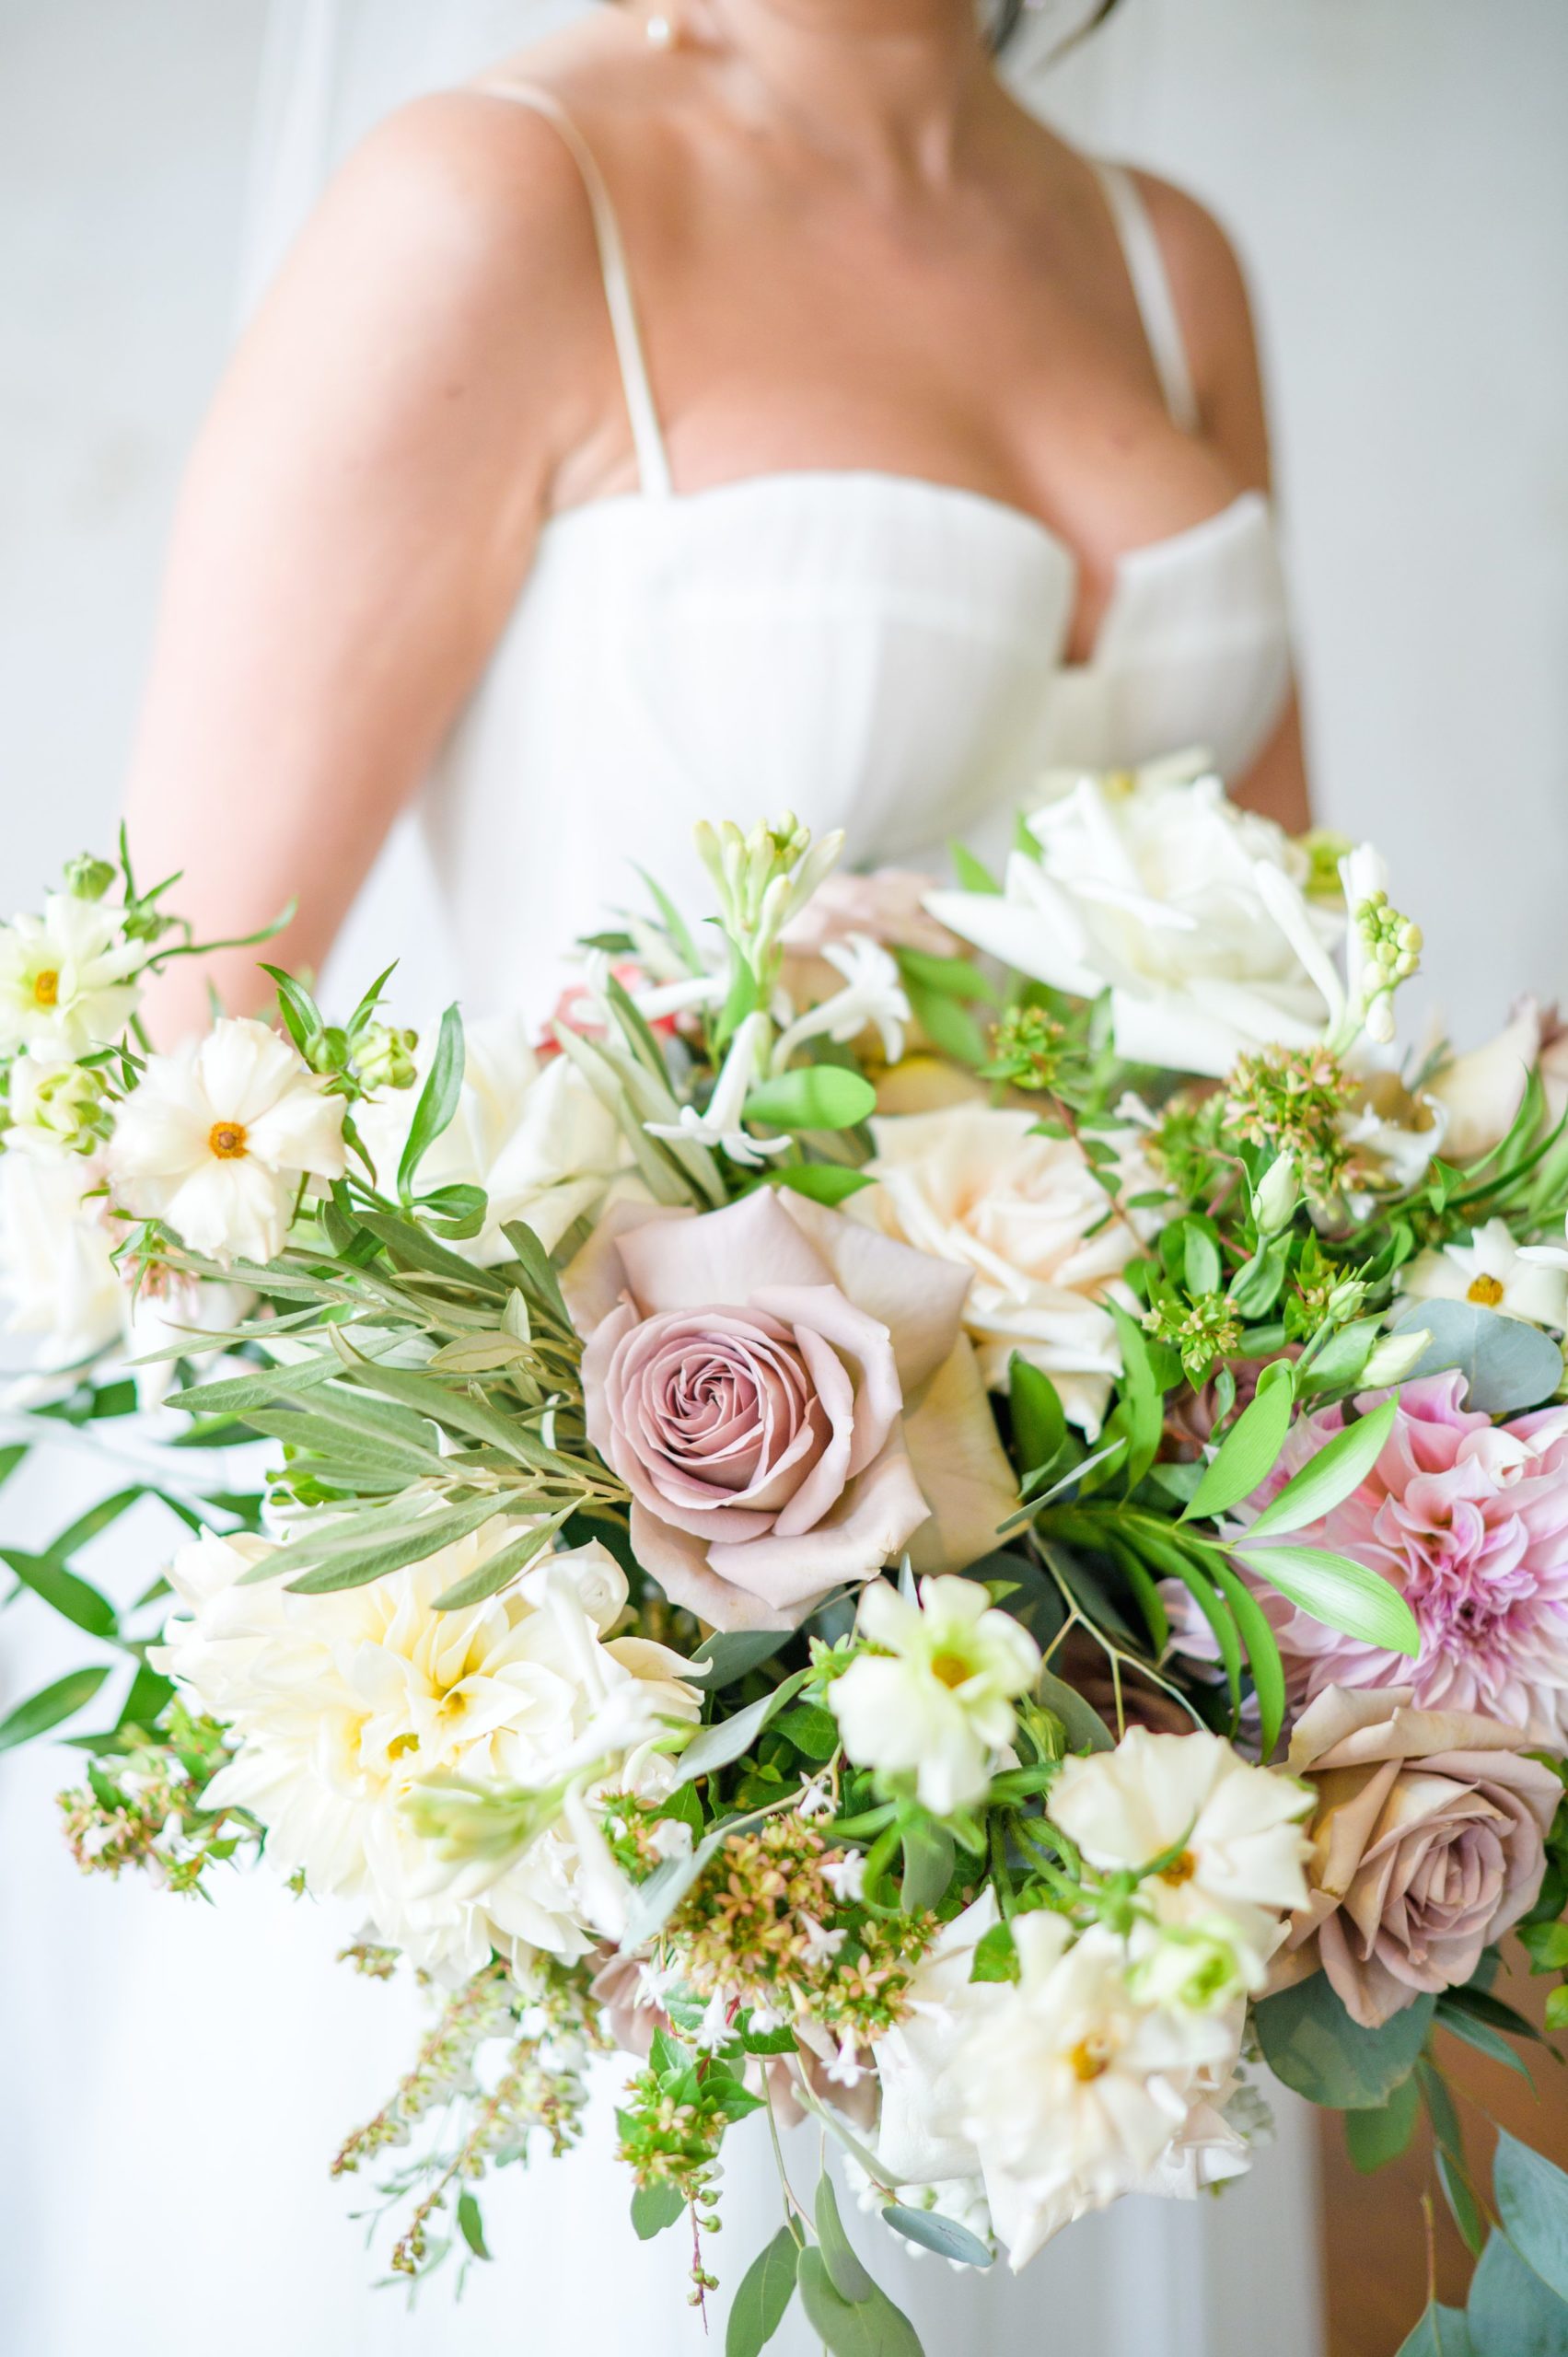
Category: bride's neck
<point>884,86</point>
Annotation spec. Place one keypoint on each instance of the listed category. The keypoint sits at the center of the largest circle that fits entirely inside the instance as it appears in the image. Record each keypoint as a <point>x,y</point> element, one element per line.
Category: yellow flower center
<point>1090,2059</point>
<point>401,1744</point>
<point>1487,1291</point>
<point>46,986</point>
<point>952,1669</point>
<point>1179,1869</point>
<point>226,1140</point>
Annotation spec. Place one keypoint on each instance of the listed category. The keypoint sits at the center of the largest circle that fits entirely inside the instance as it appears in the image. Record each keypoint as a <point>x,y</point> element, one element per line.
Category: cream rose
<point>1026,1216</point>
<point>766,1380</point>
<point>1427,1844</point>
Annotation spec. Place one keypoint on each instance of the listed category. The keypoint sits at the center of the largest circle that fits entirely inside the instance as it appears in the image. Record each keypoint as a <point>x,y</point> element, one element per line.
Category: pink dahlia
<point>1469,1521</point>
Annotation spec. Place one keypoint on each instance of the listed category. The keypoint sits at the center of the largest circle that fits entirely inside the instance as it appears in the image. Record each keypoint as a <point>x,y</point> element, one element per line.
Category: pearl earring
<point>661,32</point>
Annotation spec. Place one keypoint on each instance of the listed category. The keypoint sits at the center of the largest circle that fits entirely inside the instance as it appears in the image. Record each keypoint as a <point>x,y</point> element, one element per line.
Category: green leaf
<point>1482,2037</point>
<point>49,1705</point>
<point>871,2328</point>
<point>1255,1288</point>
<point>1329,1478</point>
<point>1087,1731</point>
<point>943,2235</point>
<point>1200,1259</point>
<point>500,1568</point>
<point>1379,2135</point>
<point>1511,2312</point>
<point>356,1565</point>
<point>997,1955</point>
<point>823,1182</point>
<point>1262,1651</point>
<point>1532,2200</point>
<point>654,2207</point>
<point>471,2225</point>
<point>64,1591</point>
<point>717,1745</point>
<point>1249,1450</point>
<point>928,1865</point>
<point>953,977</point>
<point>1040,1421</point>
<point>149,1695</point>
<point>1310,2043</point>
<point>815,1097</point>
<point>1507,1364</point>
<point>947,1024</point>
<point>811,1729</point>
<point>437,1100</point>
<point>95,1520</point>
<point>973,875</point>
<point>720,1661</point>
<point>1139,1412</point>
<point>1442,2332</point>
<point>848,2278</point>
<point>1340,1592</point>
<point>764,2293</point>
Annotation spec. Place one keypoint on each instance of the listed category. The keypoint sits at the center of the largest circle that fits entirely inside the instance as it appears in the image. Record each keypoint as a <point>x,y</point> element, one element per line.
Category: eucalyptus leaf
<point>1087,1731</point>
<point>721,1660</point>
<point>1506,1363</point>
<point>1310,2043</point>
<point>848,2277</point>
<point>813,1097</point>
<point>1442,2332</point>
<point>1328,1478</point>
<point>1379,2134</point>
<point>764,2293</point>
<point>1511,2312</point>
<point>943,2235</point>
<point>872,2328</point>
<point>1340,1592</point>
<point>1532,2200</point>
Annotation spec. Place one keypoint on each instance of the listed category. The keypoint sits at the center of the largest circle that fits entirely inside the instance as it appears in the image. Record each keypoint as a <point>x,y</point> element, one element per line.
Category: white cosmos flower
<point>939,1700</point>
<point>340,1705</point>
<point>974,1185</point>
<point>1153,885</point>
<point>66,977</point>
<point>216,1138</point>
<point>1494,1272</point>
<point>527,1129</point>
<point>1062,2091</point>
<point>55,1107</point>
<point>1242,1851</point>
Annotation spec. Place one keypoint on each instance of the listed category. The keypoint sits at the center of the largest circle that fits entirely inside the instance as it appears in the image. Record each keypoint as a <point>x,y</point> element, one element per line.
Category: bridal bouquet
<point>941,1508</point>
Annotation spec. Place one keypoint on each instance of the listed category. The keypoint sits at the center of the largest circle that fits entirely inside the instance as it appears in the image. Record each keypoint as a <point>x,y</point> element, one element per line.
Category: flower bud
<point>1344,1302</point>
<point>88,879</point>
<point>384,1057</point>
<point>1393,1357</point>
<point>56,1108</point>
<point>1278,1193</point>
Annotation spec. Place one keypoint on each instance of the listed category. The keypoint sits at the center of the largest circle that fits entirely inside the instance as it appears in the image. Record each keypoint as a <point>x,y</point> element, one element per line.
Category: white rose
<point>527,1129</point>
<point>1153,886</point>
<point>340,1705</point>
<point>972,1185</point>
<point>1480,1092</point>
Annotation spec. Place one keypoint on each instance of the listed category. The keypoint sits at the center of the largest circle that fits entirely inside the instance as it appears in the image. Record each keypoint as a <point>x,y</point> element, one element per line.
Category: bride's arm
<point>357,517</point>
<point>1216,319</point>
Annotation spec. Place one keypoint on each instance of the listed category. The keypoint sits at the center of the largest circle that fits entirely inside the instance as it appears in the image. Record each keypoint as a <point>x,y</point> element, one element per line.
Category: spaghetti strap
<point>1151,286</point>
<point>647,439</point>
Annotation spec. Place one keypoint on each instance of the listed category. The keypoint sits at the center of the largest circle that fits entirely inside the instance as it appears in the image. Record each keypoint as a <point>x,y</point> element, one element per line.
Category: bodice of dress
<point>872,651</point>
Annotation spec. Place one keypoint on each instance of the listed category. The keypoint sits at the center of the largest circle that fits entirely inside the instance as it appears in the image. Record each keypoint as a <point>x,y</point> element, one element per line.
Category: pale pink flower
<point>1469,1521</point>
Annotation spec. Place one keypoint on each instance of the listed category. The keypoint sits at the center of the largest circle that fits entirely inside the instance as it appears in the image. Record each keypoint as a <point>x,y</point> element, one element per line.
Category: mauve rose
<point>1427,1844</point>
<point>765,1379</point>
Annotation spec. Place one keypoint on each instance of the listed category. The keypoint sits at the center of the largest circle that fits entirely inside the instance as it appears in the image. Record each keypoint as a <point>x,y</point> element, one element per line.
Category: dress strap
<point>647,438</point>
<point>1151,286</point>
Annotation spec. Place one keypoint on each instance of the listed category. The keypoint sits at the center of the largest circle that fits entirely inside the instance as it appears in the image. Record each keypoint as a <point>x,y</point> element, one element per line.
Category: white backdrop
<point>1396,173</point>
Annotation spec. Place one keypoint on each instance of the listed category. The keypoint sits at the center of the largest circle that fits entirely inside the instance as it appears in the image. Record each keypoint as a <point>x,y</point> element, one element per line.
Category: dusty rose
<point>887,906</point>
<point>1427,1844</point>
<point>1469,1521</point>
<point>766,1379</point>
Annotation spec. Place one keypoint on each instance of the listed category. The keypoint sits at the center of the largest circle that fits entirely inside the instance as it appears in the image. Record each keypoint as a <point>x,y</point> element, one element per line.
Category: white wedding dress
<point>876,653</point>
